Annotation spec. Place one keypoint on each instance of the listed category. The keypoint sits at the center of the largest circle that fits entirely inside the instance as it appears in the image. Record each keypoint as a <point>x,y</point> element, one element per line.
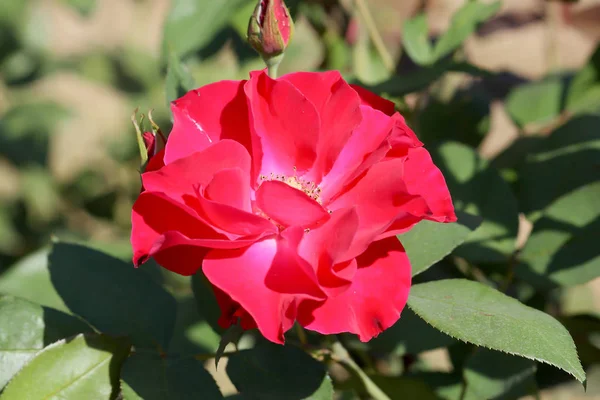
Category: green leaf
<point>463,115</point>
<point>84,7</point>
<point>25,328</point>
<point>192,24</point>
<point>415,35</point>
<point>401,85</point>
<point>415,38</point>
<point>85,367</point>
<point>536,103</point>
<point>270,371</point>
<point>410,335</point>
<point>478,189</point>
<point>404,388</point>
<point>494,375</point>
<point>150,377</point>
<point>428,242</point>
<point>562,249</point>
<point>478,314</point>
<point>30,279</point>
<point>178,80</point>
<point>463,24</point>
<point>112,295</point>
<point>206,302</point>
<point>192,334</point>
<point>565,160</point>
<point>583,93</point>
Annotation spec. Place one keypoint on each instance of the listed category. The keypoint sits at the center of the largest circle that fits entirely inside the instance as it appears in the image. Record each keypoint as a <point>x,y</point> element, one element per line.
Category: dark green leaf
<point>270,371</point>
<point>192,24</point>
<point>562,249</point>
<point>403,84</point>
<point>566,160</point>
<point>206,302</point>
<point>30,280</point>
<point>192,334</point>
<point>478,314</point>
<point>428,242</point>
<point>463,24</point>
<point>494,375</point>
<point>26,328</point>
<point>85,367</point>
<point>112,295</point>
<point>148,376</point>
<point>410,335</point>
<point>535,103</point>
<point>404,388</point>
<point>478,189</point>
<point>415,35</point>
<point>464,117</point>
<point>179,80</point>
<point>583,94</point>
<point>415,38</point>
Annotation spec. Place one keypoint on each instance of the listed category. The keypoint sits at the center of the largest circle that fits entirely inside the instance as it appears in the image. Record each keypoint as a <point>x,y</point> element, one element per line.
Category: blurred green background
<point>495,109</point>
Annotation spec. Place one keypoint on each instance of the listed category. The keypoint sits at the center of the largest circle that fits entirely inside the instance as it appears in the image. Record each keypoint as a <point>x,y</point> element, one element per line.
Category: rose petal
<point>206,115</point>
<point>324,247</point>
<point>372,100</point>
<point>366,139</point>
<point>373,302</point>
<point>154,214</point>
<point>285,123</point>
<point>181,177</point>
<point>424,179</point>
<point>338,107</point>
<point>267,280</point>
<point>288,206</point>
<point>233,220</point>
<point>230,187</point>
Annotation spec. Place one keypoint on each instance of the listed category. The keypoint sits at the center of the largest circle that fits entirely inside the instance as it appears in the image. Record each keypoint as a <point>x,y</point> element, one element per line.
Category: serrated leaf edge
<point>582,379</point>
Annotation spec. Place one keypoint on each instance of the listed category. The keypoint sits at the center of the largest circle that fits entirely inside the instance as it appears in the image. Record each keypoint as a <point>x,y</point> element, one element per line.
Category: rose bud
<point>270,29</point>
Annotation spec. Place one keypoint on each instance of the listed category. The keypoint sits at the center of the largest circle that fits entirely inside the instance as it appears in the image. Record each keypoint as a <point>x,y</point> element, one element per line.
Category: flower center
<point>308,187</point>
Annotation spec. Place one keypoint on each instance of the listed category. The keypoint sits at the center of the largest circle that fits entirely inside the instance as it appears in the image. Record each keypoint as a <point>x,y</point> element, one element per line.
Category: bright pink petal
<point>288,206</point>
<point>183,176</point>
<point>230,187</point>
<point>324,248</point>
<point>184,255</point>
<point>155,162</point>
<point>338,106</point>
<point>402,138</point>
<point>233,220</point>
<point>206,115</point>
<point>424,179</point>
<point>154,214</point>
<point>368,138</point>
<point>373,302</point>
<point>285,123</point>
<point>379,196</point>
<point>372,100</point>
<point>265,279</point>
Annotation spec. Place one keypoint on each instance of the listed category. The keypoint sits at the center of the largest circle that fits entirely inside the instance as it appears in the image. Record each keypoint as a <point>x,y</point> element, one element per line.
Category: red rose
<point>289,194</point>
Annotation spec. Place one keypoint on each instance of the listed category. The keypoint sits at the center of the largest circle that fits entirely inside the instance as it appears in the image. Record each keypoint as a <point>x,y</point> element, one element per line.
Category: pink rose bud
<point>270,28</point>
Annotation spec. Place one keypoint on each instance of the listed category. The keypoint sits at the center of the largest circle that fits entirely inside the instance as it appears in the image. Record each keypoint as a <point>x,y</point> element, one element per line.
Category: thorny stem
<point>386,58</point>
<point>341,355</point>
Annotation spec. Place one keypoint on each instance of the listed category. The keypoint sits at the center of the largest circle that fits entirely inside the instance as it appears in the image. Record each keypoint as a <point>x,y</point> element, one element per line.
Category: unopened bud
<point>270,28</point>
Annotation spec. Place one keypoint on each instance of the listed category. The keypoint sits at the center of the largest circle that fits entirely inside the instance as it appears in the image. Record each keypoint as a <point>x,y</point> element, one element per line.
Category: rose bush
<point>289,194</point>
